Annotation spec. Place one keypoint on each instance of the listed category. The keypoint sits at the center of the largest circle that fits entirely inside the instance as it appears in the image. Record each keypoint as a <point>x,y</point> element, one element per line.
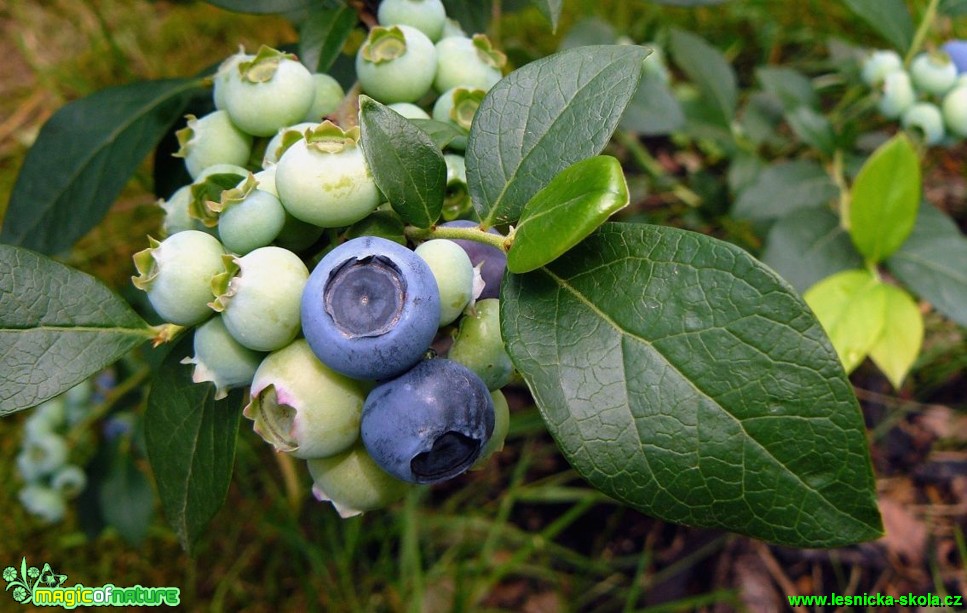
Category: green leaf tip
<point>578,200</point>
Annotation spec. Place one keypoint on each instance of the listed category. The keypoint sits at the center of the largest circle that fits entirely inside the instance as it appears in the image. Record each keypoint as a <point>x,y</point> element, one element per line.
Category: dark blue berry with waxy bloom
<point>429,424</point>
<point>371,308</point>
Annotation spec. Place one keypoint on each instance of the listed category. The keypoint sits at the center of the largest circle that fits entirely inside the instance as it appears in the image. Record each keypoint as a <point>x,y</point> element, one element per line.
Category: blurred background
<point>525,533</point>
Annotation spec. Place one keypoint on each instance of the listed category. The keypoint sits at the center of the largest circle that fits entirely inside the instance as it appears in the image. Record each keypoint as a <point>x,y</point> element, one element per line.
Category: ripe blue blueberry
<point>430,423</point>
<point>371,308</point>
<point>957,50</point>
<point>396,64</point>
<point>493,260</point>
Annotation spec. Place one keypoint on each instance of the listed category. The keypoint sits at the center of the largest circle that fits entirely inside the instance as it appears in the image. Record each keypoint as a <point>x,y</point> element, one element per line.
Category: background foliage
<point>536,536</point>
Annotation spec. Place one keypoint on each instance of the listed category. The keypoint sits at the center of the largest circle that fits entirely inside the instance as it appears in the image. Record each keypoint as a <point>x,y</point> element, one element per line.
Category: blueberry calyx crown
<point>384,44</point>
<point>263,66</point>
<point>365,297</point>
<point>452,453</point>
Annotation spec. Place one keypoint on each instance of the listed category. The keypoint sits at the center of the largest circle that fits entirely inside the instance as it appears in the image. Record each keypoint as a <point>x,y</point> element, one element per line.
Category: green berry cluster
<point>928,97</point>
<point>280,186</point>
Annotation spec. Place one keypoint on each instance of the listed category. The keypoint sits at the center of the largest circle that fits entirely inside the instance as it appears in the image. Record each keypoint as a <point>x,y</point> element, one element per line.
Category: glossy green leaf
<point>551,10</point>
<point>931,263</point>
<point>851,306</point>
<point>673,370</point>
<point>82,158</point>
<point>323,34</point>
<point>407,165</point>
<point>440,132</point>
<point>899,343</point>
<point>542,118</point>
<point>654,110</point>
<point>809,245</point>
<point>58,326</point>
<point>885,198</point>
<point>265,7</point>
<point>190,440</point>
<point>783,188</point>
<point>561,215</point>
<point>890,18</point>
<point>709,70</point>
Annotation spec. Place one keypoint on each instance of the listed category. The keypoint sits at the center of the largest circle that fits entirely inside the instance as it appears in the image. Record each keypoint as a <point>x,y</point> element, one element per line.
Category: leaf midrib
<point>611,322</point>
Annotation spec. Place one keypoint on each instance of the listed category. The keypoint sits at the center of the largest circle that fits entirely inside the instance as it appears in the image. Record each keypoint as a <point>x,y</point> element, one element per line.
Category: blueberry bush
<point>361,250</point>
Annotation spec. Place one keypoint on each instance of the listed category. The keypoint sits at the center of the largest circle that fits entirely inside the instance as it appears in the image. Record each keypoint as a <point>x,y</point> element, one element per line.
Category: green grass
<point>523,532</point>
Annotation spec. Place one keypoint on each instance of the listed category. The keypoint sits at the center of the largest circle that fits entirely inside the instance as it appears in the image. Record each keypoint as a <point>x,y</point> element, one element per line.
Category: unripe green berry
<point>268,92</point>
<point>248,217</point>
<point>259,295</point>
<point>454,276</point>
<point>467,62</point>
<point>302,407</point>
<point>396,64</point>
<point>354,483</point>
<point>955,110</point>
<point>328,97</point>
<point>501,426</point>
<point>220,359</point>
<point>212,139</point>
<point>177,274</point>
<point>478,344</point>
<point>323,178</point>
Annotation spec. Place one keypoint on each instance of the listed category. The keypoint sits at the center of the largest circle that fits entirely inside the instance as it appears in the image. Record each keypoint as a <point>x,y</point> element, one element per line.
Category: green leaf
<point>851,307</point>
<point>890,18</point>
<point>190,440</point>
<point>884,199</point>
<point>654,110</point>
<point>542,118</point>
<point>58,326</point>
<point>931,263</point>
<point>813,128</point>
<point>954,8</point>
<point>406,164</point>
<point>791,87</point>
<point>901,338</point>
<point>673,370</point>
<point>264,7</point>
<point>551,9</point>
<point>808,246</point>
<point>589,31</point>
<point>127,499</point>
<point>783,188</point>
<point>709,70</point>
<point>440,132</point>
<point>82,158</point>
<point>564,213</point>
<point>323,34</point>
